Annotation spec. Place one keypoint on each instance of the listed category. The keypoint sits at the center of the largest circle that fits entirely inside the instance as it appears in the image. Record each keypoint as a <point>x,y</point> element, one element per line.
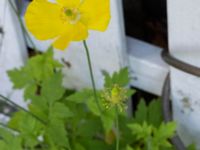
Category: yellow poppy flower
<point>66,20</point>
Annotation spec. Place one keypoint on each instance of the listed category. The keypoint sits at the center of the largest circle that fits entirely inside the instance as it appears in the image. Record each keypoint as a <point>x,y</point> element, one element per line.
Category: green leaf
<point>20,78</point>
<point>120,78</point>
<point>39,106</point>
<point>38,69</point>
<point>42,113</point>
<point>29,128</point>
<point>89,127</point>
<point>167,130</point>
<point>142,112</point>
<point>130,92</point>
<point>141,131</point>
<point>107,79</point>
<point>52,88</point>
<point>78,146</point>
<point>9,141</point>
<point>92,106</point>
<point>126,135</point>
<point>152,137</point>
<point>3,145</point>
<point>56,135</point>
<point>191,147</point>
<point>81,96</point>
<point>30,91</point>
<point>129,148</point>
<point>93,144</point>
<point>155,113</point>
<point>163,133</point>
<point>152,113</point>
<point>43,66</point>
<point>60,111</point>
<point>24,122</point>
<point>108,119</point>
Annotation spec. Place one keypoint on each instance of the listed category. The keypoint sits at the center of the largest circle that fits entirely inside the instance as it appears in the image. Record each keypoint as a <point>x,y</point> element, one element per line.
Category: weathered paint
<point>147,69</point>
<point>184,43</point>
<point>13,51</point>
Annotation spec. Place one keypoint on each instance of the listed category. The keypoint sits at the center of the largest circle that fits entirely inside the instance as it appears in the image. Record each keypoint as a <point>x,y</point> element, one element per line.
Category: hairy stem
<point>91,75</point>
<point>117,129</point>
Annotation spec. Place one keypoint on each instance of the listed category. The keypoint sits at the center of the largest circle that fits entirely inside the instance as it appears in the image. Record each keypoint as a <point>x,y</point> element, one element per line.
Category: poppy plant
<point>66,20</point>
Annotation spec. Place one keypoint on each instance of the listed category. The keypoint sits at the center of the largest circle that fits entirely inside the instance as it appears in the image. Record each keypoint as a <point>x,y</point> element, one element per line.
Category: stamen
<point>68,12</point>
<point>71,16</point>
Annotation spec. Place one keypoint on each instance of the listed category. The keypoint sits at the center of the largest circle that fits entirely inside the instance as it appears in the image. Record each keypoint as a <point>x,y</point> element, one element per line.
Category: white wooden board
<point>184,41</point>
<point>147,69</point>
<point>13,51</point>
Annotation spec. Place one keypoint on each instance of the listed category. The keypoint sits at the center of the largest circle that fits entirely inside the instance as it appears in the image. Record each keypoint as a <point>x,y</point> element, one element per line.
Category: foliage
<point>152,138</point>
<point>151,114</point>
<point>62,119</point>
<point>37,70</point>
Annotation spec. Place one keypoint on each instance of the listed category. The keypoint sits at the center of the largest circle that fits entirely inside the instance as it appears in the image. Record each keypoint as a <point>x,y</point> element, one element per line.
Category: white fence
<point>12,51</point>
<point>111,50</point>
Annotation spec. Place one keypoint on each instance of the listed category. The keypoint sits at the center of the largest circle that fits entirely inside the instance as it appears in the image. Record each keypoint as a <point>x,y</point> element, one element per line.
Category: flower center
<point>71,15</point>
<point>69,12</point>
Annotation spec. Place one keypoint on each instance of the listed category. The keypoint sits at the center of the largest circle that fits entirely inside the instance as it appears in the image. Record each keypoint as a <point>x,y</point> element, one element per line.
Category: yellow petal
<point>76,32</point>
<point>62,42</point>
<point>95,14</point>
<point>79,32</point>
<point>69,3</point>
<point>43,19</point>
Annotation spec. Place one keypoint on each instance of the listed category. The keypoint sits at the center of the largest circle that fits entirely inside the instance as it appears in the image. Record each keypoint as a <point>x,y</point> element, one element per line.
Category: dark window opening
<point>146,20</point>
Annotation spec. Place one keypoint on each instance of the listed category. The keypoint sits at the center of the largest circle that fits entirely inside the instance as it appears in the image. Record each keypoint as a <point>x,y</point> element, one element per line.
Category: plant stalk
<point>91,75</point>
<point>117,128</point>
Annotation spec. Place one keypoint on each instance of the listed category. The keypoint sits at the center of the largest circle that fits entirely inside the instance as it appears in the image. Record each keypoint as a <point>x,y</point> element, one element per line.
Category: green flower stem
<point>91,75</point>
<point>25,33</point>
<point>117,128</point>
<point>21,108</point>
<point>69,147</point>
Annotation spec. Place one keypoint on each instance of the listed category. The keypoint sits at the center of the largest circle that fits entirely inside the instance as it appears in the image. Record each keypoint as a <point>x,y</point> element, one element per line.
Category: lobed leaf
<point>120,78</point>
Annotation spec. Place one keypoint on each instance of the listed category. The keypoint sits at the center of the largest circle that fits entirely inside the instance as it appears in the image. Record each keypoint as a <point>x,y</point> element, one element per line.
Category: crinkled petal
<point>69,3</point>
<point>79,32</point>
<point>76,32</point>
<point>62,42</point>
<point>43,19</point>
<point>95,14</point>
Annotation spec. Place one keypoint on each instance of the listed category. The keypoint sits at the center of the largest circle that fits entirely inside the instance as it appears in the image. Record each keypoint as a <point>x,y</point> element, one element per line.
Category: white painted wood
<point>108,52</point>
<point>148,71</point>
<point>184,43</point>
<point>13,51</point>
